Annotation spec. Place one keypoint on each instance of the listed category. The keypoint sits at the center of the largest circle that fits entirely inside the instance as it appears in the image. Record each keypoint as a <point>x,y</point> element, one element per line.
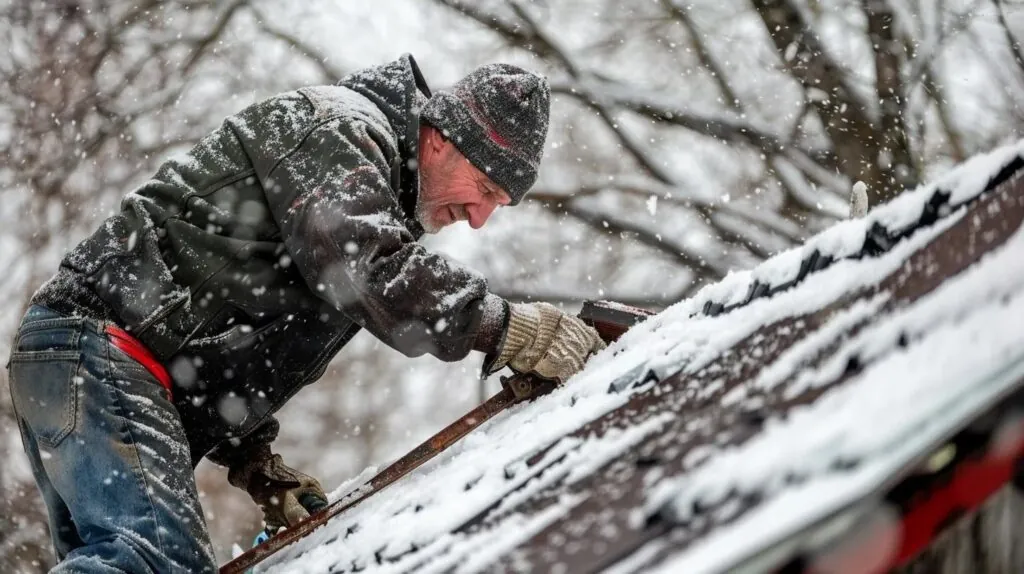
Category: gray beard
<point>423,217</point>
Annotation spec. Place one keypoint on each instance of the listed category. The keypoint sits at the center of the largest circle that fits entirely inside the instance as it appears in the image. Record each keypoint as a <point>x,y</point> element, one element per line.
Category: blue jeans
<point>108,452</point>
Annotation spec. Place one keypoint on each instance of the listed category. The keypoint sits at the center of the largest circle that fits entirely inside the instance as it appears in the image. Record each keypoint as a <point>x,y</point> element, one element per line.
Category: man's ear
<point>431,139</point>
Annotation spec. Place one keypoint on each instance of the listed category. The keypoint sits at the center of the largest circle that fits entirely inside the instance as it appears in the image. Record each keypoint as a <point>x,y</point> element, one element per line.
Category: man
<point>229,281</point>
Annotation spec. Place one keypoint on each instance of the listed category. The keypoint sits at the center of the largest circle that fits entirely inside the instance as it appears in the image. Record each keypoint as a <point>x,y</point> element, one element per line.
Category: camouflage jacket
<point>247,263</point>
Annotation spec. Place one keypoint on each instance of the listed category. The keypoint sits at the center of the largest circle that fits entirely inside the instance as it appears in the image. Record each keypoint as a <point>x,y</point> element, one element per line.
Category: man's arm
<point>233,452</point>
<point>345,231</point>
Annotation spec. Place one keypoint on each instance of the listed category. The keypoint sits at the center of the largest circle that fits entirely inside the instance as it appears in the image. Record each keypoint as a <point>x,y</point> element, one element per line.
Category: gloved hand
<point>544,341</point>
<point>279,491</point>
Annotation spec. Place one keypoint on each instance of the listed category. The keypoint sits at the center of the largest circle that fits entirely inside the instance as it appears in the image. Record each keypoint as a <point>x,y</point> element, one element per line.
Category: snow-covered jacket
<point>245,264</point>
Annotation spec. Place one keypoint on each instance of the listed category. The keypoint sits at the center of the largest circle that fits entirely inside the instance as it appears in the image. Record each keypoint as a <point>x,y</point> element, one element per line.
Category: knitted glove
<point>546,342</point>
<point>285,495</point>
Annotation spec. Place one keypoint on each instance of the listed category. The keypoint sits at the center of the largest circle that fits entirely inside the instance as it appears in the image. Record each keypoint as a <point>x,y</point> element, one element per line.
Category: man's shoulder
<point>313,106</point>
<point>340,101</point>
<point>278,124</point>
<point>309,105</point>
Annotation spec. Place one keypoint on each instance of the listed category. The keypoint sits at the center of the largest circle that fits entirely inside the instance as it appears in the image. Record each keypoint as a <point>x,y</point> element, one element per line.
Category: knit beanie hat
<point>497,117</point>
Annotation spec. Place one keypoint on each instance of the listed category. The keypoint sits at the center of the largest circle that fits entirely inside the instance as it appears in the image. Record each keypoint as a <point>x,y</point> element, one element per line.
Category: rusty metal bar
<point>610,320</point>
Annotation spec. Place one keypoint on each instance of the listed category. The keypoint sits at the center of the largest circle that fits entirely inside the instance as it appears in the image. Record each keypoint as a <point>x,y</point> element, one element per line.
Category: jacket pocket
<point>43,375</point>
<point>124,266</point>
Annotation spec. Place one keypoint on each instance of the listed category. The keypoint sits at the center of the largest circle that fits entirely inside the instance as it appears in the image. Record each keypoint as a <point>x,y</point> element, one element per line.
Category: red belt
<point>134,349</point>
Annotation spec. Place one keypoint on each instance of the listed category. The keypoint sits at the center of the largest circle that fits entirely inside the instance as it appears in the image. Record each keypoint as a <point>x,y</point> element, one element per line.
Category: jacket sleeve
<point>234,452</point>
<point>344,229</point>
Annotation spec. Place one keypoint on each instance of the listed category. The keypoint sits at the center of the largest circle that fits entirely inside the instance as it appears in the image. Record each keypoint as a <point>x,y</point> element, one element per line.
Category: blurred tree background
<point>688,139</point>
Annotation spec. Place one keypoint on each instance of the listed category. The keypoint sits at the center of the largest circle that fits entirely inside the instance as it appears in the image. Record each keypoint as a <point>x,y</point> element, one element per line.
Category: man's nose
<point>479,213</point>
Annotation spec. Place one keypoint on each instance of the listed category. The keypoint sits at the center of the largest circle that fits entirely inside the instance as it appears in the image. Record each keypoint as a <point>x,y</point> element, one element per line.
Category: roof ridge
<point>878,239</point>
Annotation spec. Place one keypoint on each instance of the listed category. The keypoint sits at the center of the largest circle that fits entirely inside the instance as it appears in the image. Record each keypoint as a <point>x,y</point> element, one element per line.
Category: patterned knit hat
<point>497,117</point>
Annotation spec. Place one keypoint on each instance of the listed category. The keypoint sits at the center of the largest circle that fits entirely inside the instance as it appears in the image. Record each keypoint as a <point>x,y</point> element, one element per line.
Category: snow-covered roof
<point>714,429</point>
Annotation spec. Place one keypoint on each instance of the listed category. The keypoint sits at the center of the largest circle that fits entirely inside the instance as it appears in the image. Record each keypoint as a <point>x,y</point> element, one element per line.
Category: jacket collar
<point>399,90</point>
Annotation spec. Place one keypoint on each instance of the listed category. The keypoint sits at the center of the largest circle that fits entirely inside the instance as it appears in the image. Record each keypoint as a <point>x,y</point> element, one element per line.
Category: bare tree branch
<point>845,116</point>
<point>702,267</point>
<point>899,167</point>
<point>1011,42</point>
<point>207,40</point>
<point>673,196</point>
<point>552,46</point>
<point>922,69</point>
<point>937,93</point>
<point>725,127</point>
<point>329,72</point>
<point>681,12</point>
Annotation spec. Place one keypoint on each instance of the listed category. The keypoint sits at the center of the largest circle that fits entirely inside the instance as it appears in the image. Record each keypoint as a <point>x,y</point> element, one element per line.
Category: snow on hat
<point>497,117</point>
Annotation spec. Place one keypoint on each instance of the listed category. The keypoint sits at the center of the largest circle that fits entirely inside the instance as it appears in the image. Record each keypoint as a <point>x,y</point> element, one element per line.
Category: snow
<point>941,378</point>
<point>900,428</point>
<point>652,205</point>
<point>788,365</point>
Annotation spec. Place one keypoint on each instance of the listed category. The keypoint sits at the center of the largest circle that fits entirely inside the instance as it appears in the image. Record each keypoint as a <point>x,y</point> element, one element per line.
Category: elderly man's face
<point>451,188</point>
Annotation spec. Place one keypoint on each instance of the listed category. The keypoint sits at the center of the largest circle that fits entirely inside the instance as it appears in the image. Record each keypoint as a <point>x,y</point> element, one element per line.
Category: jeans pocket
<point>42,374</point>
<point>43,386</point>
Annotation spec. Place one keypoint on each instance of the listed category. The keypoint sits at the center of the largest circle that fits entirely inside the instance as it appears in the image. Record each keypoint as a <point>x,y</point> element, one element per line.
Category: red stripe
<point>134,349</point>
<point>480,119</point>
<point>496,137</point>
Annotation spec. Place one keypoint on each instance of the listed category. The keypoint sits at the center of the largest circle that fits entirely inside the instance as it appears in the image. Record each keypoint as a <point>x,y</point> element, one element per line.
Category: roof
<point>714,429</point>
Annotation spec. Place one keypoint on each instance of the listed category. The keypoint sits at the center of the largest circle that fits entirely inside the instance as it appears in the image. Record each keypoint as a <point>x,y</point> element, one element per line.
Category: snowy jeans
<point>107,449</point>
